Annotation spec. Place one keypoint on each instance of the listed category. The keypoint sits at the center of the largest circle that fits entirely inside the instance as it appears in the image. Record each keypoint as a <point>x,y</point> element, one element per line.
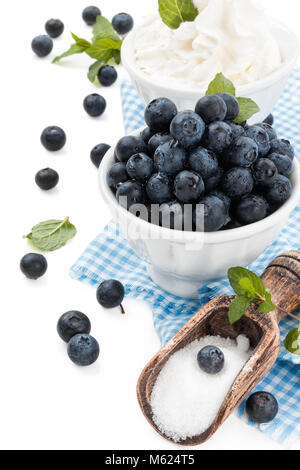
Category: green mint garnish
<point>175,12</point>
<point>51,234</point>
<point>291,341</point>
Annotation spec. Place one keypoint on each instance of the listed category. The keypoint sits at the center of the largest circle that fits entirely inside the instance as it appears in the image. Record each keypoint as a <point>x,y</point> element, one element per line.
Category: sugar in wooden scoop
<point>185,400</point>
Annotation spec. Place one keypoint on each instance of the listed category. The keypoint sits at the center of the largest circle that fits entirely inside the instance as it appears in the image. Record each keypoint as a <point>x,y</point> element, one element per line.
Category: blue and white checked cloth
<point>109,256</point>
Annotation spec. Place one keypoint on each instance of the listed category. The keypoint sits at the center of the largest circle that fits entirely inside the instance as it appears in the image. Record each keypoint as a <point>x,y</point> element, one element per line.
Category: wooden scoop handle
<point>282,277</point>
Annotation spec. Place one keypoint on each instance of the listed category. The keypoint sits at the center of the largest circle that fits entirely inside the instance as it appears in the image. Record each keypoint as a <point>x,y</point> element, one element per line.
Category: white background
<point>46,402</point>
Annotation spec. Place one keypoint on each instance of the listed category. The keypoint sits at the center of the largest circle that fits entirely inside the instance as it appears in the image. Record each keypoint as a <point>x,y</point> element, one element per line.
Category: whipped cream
<point>229,36</point>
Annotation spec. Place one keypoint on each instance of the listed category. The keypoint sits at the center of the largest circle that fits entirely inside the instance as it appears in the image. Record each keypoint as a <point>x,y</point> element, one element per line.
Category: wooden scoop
<point>282,277</point>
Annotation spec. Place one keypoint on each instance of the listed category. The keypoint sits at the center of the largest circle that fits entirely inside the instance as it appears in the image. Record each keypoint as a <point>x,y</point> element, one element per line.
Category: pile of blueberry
<point>229,174</point>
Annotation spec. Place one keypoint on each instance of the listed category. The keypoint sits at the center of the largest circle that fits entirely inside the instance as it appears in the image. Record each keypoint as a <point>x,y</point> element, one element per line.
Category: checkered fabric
<point>109,256</point>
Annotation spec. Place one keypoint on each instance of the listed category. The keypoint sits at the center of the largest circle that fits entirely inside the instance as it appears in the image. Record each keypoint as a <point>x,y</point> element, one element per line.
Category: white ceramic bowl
<point>180,262</point>
<point>264,92</point>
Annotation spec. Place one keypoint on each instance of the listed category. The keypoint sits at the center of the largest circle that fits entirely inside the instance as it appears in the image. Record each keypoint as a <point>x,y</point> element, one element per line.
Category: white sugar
<point>185,400</point>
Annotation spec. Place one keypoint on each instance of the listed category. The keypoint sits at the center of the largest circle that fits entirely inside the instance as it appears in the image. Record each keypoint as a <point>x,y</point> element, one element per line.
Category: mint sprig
<point>221,84</point>
<point>175,12</point>
<point>51,234</point>
<point>291,341</point>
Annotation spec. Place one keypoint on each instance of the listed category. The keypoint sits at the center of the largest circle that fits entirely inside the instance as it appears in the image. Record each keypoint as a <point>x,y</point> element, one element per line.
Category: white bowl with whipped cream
<point>234,37</point>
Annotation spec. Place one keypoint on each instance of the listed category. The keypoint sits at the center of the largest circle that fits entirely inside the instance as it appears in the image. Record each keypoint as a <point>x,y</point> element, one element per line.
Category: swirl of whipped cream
<point>229,36</point>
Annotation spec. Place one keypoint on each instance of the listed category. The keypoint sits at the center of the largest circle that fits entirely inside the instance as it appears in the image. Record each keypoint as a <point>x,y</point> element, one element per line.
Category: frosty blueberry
<point>210,214</point>
<point>218,137</point>
<point>94,104</point>
<point>83,349</point>
<point>72,323</point>
<point>116,175</point>
<point>211,359</point>
<point>107,75</point>
<point>262,407</point>
<point>47,178</point>
<point>203,161</point>
<point>187,128</point>
<point>139,167</point>
<point>54,28</point>
<point>188,187</point>
<point>42,45</point>
<point>251,209</point>
<point>128,146</point>
<point>90,14</point>
<point>232,105</point>
<point>159,114</point>
<point>97,153</point>
<point>211,108</point>
<point>122,23</point>
<point>53,138</point>
<point>33,265</point>
<point>110,293</point>
<point>159,188</point>
<point>237,182</point>
<point>169,158</point>
<point>282,162</point>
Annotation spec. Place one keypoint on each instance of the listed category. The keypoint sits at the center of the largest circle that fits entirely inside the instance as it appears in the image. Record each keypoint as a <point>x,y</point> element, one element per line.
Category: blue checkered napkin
<point>109,256</point>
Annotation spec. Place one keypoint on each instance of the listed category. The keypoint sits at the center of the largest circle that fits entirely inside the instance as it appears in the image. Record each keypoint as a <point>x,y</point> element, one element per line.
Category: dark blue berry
<point>262,407</point>
<point>251,209</point>
<point>210,214</point>
<point>129,193</point>
<point>188,187</point>
<point>117,174</point>
<point>233,223</point>
<point>159,188</point>
<point>243,152</point>
<point>33,265</point>
<point>128,146</point>
<point>269,130</point>
<point>146,134</point>
<point>211,108</point>
<point>261,137</point>
<point>188,128</point>
<point>264,172</point>
<point>139,167</point>
<point>53,138</point>
<point>159,114</point>
<point>211,359</point>
<point>122,23</point>
<point>72,323</point>
<point>46,179</point>
<point>213,181</point>
<point>218,137</point>
<point>83,349</point>
<point>98,152</point>
<point>54,28</point>
<point>94,104</point>
<point>42,45</point>
<point>90,14</point>
<point>269,120</point>
<point>156,140</point>
<point>237,130</point>
<point>170,158</point>
<point>282,162</point>
<point>232,104</point>
<point>110,293</point>
<point>171,215</point>
<point>219,194</point>
<point>283,147</point>
<point>280,191</point>
<point>237,182</point>
<point>107,75</point>
<point>204,162</point>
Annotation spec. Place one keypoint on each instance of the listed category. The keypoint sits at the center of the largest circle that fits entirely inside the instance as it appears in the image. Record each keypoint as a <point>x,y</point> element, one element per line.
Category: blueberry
<point>251,209</point>
<point>132,191</point>
<point>33,265</point>
<point>264,172</point>
<point>72,323</point>
<point>219,194</point>
<point>210,214</point>
<point>94,104</point>
<point>156,140</point>
<point>159,114</point>
<point>280,191</point>
<point>98,152</point>
<point>42,45</point>
<point>204,162</point>
<point>188,128</point>
<point>90,14</point>
<point>117,174</point>
<point>128,146</point>
<point>237,130</point>
<point>54,28</point>
<point>107,75</point>
<point>140,167</point>
<point>243,152</point>
<point>211,108</point>
<point>169,158</point>
<point>218,137</point>
<point>262,407</point>
<point>211,359</point>
<point>283,147</point>
<point>269,120</point>
<point>122,23</point>
<point>159,188</point>
<point>237,182</point>
<point>53,138</point>
<point>233,223</point>
<point>46,178</point>
<point>282,162</point>
<point>261,137</point>
<point>269,130</point>
<point>171,215</point>
<point>146,134</point>
<point>213,181</point>
<point>232,104</point>
<point>110,293</point>
<point>83,349</point>
<point>188,187</point>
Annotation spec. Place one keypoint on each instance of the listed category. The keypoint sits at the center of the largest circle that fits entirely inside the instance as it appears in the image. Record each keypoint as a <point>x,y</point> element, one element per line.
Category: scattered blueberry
<point>33,265</point>
<point>211,108</point>
<point>237,182</point>
<point>83,349</point>
<point>90,14</point>
<point>204,162</point>
<point>156,140</point>
<point>47,178</point>
<point>282,146</point>
<point>159,188</point>
<point>116,175</point>
<point>188,128</point>
<point>218,137</point>
<point>171,215</point>
<point>282,162</point>
<point>132,191</point>
<point>53,138</point>
<point>146,134</point>
<point>107,75</point>
<point>280,191</point>
<point>72,323</point>
<point>128,146</point>
<point>264,172</point>
<point>213,181</point>
<point>110,294</point>
<point>170,158</point>
<point>54,28</point>
<point>210,214</point>
<point>211,359</point>
<point>122,23</point>
<point>261,137</point>
<point>94,104</point>
<point>98,152</point>
<point>269,120</point>
<point>243,152</point>
<point>139,167</point>
<point>42,45</point>
<point>251,209</point>
<point>159,114</point>
<point>262,407</point>
<point>232,104</point>
<point>188,187</point>
<point>269,130</point>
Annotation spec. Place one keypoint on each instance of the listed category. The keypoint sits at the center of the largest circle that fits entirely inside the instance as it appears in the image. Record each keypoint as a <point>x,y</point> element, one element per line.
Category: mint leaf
<point>238,308</point>
<point>80,46</point>
<point>104,49</point>
<point>291,341</point>
<point>51,234</point>
<point>255,284</point>
<point>247,285</point>
<point>103,29</point>
<point>94,69</point>
<point>247,108</point>
<point>117,57</point>
<point>81,42</point>
<point>267,306</point>
<point>220,84</point>
<point>175,12</point>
